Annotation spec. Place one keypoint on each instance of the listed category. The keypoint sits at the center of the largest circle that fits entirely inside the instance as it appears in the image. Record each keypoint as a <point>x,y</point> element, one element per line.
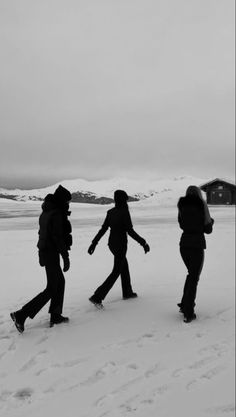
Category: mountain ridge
<point>101,191</point>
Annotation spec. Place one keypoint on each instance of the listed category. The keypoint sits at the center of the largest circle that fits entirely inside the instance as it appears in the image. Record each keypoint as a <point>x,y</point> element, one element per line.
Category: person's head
<point>49,199</point>
<point>121,198</point>
<point>194,191</point>
<point>49,203</point>
<point>62,197</point>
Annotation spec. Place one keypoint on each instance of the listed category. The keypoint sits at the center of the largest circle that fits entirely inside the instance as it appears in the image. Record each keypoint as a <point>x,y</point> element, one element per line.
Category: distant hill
<point>162,190</point>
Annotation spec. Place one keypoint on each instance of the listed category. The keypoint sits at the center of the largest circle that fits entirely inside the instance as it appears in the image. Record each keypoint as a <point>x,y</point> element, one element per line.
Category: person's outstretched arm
<point>131,232</point>
<point>98,236</point>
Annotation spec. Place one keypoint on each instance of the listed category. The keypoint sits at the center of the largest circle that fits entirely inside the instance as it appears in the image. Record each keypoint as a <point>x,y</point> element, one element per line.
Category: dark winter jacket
<point>191,218</point>
<point>54,228</point>
<point>120,224</point>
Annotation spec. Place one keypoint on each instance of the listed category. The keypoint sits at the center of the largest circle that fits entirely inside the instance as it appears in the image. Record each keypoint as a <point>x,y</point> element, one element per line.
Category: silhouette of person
<point>119,221</point>
<point>55,240</point>
<point>194,219</point>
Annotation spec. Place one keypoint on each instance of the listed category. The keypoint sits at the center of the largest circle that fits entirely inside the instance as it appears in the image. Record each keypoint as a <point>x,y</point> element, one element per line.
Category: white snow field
<point>136,357</point>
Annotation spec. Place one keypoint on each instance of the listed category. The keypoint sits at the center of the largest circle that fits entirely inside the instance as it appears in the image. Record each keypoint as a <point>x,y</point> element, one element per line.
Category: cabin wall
<point>220,193</point>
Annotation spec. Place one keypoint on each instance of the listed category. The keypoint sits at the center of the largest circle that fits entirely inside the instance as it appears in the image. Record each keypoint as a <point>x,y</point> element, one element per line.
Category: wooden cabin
<point>220,191</point>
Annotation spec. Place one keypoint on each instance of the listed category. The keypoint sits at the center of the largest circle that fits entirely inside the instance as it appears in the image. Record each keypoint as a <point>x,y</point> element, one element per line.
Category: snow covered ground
<point>135,358</point>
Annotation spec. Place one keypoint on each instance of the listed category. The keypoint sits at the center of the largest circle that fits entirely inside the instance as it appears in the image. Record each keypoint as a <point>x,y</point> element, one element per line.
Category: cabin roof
<point>227,181</point>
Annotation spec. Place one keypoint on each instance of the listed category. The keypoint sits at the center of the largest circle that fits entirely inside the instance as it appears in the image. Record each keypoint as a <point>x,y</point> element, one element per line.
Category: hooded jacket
<point>54,228</point>
<point>192,221</point>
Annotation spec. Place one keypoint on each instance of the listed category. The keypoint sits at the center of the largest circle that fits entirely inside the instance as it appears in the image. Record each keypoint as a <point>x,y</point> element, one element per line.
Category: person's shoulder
<point>181,201</point>
<point>190,201</point>
<point>118,212</point>
<point>123,211</point>
<point>110,211</point>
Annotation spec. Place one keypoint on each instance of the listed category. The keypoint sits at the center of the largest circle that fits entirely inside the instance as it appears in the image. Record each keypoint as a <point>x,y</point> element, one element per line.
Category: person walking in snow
<point>195,220</point>
<point>55,240</point>
<point>119,221</point>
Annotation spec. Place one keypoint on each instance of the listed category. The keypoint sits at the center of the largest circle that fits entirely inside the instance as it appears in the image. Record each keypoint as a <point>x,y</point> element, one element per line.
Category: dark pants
<point>193,259</point>
<point>121,268</point>
<point>54,290</point>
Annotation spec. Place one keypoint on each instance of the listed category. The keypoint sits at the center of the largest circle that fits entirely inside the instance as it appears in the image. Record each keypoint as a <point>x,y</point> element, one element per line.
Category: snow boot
<point>188,319</point>
<point>18,321</point>
<point>180,307</point>
<point>58,319</point>
<point>97,303</point>
<point>131,295</point>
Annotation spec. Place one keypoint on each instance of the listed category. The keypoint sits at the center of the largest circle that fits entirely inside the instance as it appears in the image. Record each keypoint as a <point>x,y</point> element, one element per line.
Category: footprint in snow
<point>216,351</point>
<point>12,346</point>
<point>134,403</point>
<point>42,339</point>
<point>23,394</point>
<point>4,395</point>
<point>140,341</point>
<point>199,364</point>
<point>5,336</point>
<point>221,315</point>
<point>177,372</point>
<point>218,348</point>
<point>207,376</point>
<point>146,338</point>
<point>161,390</point>
<point>154,370</point>
<point>67,364</point>
<point>108,398</point>
<point>32,362</point>
<point>108,368</point>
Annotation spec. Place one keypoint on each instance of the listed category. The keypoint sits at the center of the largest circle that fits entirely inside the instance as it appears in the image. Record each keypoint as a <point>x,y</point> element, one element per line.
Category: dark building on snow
<point>220,192</point>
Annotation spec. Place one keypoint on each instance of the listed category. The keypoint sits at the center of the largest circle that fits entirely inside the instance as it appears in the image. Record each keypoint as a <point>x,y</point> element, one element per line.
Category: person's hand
<point>146,247</point>
<point>91,248</point>
<point>66,265</point>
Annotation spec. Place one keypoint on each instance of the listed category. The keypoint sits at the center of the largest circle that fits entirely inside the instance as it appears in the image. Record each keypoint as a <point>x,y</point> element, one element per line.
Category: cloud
<point>96,88</point>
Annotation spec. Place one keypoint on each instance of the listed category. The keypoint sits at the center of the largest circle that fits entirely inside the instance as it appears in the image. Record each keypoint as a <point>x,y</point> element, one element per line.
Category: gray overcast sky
<point>101,88</point>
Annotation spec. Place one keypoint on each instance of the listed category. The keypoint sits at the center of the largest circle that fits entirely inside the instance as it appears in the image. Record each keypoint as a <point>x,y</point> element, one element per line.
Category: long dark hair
<point>195,191</point>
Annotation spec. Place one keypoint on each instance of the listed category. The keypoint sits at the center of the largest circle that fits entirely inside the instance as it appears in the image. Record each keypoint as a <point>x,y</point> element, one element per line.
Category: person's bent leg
<point>56,284</point>
<point>36,304</point>
<point>30,309</point>
<point>186,259</point>
<point>103,290</point>
<point>126,286</point>
<point>193,259</point>
<point>196,269</point>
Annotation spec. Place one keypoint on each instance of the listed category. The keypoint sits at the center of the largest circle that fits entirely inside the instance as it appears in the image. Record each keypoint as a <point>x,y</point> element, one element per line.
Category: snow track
<point>134,358</point>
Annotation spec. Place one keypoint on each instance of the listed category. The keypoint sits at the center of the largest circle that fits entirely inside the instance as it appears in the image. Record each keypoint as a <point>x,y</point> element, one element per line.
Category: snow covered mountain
<point>101,192</point>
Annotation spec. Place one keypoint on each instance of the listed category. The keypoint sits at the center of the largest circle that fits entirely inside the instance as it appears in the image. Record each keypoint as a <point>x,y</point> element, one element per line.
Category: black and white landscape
<point>134,358</point>
<point>101,192</point>
<point>102,95</point>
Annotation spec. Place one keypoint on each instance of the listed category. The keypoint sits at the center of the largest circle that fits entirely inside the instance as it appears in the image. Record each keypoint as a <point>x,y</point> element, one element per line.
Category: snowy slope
<point>161,189</point>
<point>136,358</point>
